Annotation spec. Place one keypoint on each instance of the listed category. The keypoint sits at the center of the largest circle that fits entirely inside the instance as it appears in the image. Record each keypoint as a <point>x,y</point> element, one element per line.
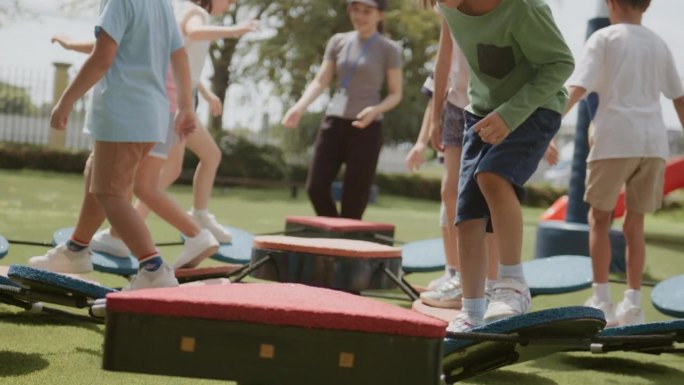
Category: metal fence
<point>26,100</point>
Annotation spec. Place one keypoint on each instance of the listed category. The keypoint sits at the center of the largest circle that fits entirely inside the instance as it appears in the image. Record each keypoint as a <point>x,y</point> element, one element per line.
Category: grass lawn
<point>37,349</point>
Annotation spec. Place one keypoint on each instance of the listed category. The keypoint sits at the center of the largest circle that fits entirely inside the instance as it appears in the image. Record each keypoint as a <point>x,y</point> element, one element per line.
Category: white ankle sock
<point>474,308</point>
<point>200,212</point>
<point>512,271</point>
<point>633,297</point>
<point>602,291</point>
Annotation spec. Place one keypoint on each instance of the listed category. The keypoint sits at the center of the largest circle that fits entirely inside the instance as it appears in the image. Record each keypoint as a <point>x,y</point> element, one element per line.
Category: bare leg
<point>148,190</point>
<point>599,243</point>
<point>471,250</point>
<point>506,215</point>
<point>203,145</point>
<point>170,172</point>
<point>452,166</point>
<point>492,257</point>
<point>133,231</point>
<point>91,216</point>
<point>633,228</point>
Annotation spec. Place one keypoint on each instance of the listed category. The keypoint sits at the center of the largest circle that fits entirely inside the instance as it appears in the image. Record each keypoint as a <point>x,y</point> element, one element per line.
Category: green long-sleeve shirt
<point>518,59</point>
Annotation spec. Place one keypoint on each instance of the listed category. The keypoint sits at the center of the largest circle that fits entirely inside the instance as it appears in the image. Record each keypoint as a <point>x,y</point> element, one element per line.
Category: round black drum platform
<point>341,264</point>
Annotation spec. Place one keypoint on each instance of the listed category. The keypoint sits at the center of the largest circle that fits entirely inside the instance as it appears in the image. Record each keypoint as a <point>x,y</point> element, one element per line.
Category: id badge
<point>338,104</point>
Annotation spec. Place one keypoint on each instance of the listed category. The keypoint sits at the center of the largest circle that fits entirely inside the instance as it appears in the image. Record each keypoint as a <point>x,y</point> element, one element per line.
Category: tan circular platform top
<point>339,224</point>
<point>335,247</point>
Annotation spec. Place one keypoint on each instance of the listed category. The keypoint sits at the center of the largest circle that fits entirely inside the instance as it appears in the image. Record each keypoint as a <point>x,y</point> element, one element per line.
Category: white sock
<point>602,291</point>
<point>512,271</point>
<point>200,212</point>
<point>474,308</point>
<point>633,297</point>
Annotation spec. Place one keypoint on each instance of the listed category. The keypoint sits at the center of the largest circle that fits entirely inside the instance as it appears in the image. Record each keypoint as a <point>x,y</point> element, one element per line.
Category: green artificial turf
<point>39,349</point>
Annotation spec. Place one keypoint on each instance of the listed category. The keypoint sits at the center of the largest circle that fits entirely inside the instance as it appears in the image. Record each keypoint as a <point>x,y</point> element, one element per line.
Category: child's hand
<point>249,26</point>
<point>492,129</point>
<point>551,154</point>
<point>186,122</point>
<point>365,117</point>
<point>62,39</point>
<point>215,105</point>
<point>414,159</point>
<point>292,117</point>
<point>60,116</point>
<point>436,136</point>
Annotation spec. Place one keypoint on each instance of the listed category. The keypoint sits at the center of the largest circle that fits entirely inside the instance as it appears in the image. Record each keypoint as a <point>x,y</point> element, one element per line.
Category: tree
<point>9,9</point>
<point>16,100</point>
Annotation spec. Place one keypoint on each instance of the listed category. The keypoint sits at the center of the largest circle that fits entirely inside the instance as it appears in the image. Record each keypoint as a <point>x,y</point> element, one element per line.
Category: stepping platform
<point>522,338</point>
<point>342,264</point>
<point>206,273</point>
<point>668,296</point>
<point>239,250</point>
<point>284,334</point>
<point>102,262</point>
<point>329,227</point>
<point>424,256</point>
<point>4,247</point>
<point>558,275</point>
<point>652,338</point>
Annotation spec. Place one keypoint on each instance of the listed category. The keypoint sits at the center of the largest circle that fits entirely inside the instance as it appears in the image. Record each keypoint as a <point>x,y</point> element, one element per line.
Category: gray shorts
<point>453,124</point>
<point>161,150</point>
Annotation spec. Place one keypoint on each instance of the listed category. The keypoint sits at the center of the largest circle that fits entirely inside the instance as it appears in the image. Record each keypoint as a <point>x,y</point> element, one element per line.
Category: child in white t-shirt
<point>629,67</point>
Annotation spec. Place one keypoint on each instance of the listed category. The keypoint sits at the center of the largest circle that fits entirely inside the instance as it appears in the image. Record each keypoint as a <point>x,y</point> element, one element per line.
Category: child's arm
<point>394,92</point>
<point>679,107</point>
<point>215,105</point>
<point>414,159</point>
<point>194,28</point>
<point>185,119</point>
<point>313,91</point>
<point>94,68</point>
<point>442,66</point>
<point>78,46</point>
<point>576,93</point>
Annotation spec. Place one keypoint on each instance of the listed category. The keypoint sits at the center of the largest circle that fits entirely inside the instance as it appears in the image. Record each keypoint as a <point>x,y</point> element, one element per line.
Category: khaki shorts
<point>642,178</point>
<point>113,166</point>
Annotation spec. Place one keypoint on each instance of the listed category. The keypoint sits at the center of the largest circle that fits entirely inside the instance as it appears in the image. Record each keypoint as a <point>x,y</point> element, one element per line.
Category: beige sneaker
<point>197,249</point>
<point>606,307</point>
<point>62,260</point>
<point>164,276</point>
<point>208,221</point>
<point>510,298</point>
<point>104,242</point>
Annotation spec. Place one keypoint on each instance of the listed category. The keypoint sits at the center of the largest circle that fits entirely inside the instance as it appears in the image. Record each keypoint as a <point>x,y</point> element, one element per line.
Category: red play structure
<point>674,179</point>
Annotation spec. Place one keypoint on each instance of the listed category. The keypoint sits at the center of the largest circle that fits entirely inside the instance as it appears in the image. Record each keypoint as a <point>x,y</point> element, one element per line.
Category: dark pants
<point>339,143</point>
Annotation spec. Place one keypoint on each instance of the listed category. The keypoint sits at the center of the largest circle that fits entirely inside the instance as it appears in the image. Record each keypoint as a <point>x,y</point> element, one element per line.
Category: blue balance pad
<point>423,256</point>
<point>46,281</point>
<point>652,328</point>
<point>102,262</point>
<point>668,296</point>
<point>4,247</point>
<point>560,328</point>
<point>239,250</point>
<point>559,274</point>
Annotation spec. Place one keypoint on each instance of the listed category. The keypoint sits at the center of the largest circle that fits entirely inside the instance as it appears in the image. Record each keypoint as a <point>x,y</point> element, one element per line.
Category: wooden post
<point>58,137</point>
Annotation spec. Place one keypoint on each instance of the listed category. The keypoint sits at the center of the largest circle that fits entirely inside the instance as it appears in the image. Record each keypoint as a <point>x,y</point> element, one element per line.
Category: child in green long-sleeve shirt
<point>518,62</point>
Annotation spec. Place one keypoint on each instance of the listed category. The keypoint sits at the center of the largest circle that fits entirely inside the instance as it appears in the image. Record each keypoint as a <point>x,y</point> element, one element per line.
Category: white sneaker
<point>62,260</point>
<point>606,307</point>
<point>627,314</point>
<point>439,282</point>
<point>208,221</point>
<point>463,323</point>
<point>197,249</point>
<point>448,295</point>
<point>164,276</point>
<point>511,298</point>
<point>104,242</point>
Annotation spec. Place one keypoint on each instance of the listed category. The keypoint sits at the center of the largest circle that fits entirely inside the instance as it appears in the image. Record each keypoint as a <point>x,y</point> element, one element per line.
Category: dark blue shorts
<point>515,159</point>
